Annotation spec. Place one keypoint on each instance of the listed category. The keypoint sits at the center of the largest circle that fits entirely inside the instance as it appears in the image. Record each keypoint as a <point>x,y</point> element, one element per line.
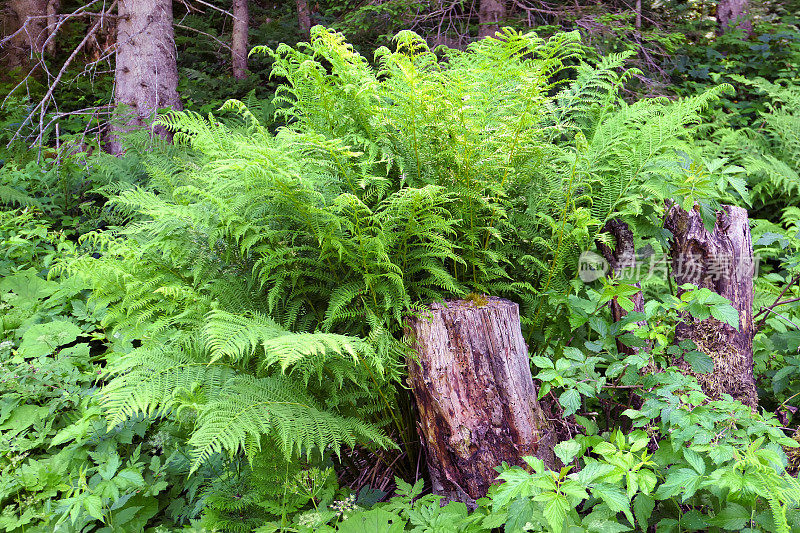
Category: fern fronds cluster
<point>269,272</point>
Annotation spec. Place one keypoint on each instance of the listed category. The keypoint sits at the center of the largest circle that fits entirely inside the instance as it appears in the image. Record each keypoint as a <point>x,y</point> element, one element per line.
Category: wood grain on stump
<point>475,395</point>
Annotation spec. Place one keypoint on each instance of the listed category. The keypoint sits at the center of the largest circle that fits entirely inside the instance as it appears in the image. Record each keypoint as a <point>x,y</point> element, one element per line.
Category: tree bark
<point>52,20</point>
<point>475,395</point>
<point>722,261</point>
<point>239,46</point>
<point>146,68</point>
<point>622,260</point>
<point>490,14</point>
<point>304,18</point>
<point>638,21</point>
<point>25,23</point>
<point>734,14</point>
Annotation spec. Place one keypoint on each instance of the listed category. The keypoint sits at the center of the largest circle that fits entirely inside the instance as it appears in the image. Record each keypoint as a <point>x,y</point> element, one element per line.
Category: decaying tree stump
<point>722,261</point>
<point>475,395</point>
<point>622,260</point>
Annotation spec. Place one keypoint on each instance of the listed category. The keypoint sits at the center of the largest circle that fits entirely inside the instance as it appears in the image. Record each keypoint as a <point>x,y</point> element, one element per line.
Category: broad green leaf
<point>542,362</point>
<point>555,510</point>
<point>726,314</point>
<point>613,496</point>
<point>733,517</point>
<point>571,401</point>
<point>643,506</point>
<point>701,363</point>
<point>373,521</point>
<point>94,506</point>
<point>594,471</point>
<point>567,450</point>
<point>695,460</point>
<point>44,339</point>
<point>679,481</point>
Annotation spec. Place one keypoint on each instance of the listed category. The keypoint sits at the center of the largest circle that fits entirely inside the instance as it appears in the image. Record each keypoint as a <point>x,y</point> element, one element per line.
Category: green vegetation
<point>207,334</point>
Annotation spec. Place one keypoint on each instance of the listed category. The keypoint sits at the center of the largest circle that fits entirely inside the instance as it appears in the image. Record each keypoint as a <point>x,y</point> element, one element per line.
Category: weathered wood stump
<point>622,260</point>
<point>475,395</point>
<point>722,261</point>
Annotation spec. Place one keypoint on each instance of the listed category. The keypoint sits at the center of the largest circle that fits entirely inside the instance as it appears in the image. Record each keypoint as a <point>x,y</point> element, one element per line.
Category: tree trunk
<point>638,21</point>
<point>722,261</point>
<point>52,20</point>
<point>622,260</point>
<point>239,47</point>
<point>490,14</point>
<point>475,395</point>
<point>304,18</point>
<point>146,70</point>
<point>26,25</point>
<point>733,14</point>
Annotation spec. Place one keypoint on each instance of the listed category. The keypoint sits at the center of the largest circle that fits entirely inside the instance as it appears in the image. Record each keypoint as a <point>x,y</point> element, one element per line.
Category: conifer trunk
<point>475,395</point>
<point>29,16</point>
<point>490,14</point>
<point>722,261</point>
<point>304,18</point>
<point>732,14</point>
<point>146,74</point>
<point>239,36</point>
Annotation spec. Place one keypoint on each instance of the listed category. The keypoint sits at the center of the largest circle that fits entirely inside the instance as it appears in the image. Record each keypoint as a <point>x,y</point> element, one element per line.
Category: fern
<point>275,268</point>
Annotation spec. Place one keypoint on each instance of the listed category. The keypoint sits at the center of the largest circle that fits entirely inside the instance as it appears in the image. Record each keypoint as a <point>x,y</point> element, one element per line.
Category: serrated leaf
<point>700,362</point>
<point>571,401</point>
<point>694,459</point>
<point>94,506</point>
<point>726,314</point>
<point>555,509</point>
<point>643,506</point>
<point>679,481</point>
<point>732,517</point>
<point>613,496</point>
<point>567,450</point>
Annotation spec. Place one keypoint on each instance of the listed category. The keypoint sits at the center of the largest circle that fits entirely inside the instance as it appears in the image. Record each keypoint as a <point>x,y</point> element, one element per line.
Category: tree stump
<point>622,261</point>
<point>476,399</point>
<point>722,261</point>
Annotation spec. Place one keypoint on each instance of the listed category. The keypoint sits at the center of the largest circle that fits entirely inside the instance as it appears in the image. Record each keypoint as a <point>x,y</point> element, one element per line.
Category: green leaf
<point>613,496</point>
<point>733,517</point>
<point>555,511</point>
<point>567,450</point>
<point>571,401</point>
<point>682,481</point>
<point>44,339</point>
<point>374,521</point>
<point>693,520</point>
<point>695,460</point>
<point>94,506</point>
<point>595,470</point>
<point>700,362</point>
<point>109,467</point>
<point>542,362</point>
<point>133,476</point>
<point>643,506</point>
<point>726,314</point>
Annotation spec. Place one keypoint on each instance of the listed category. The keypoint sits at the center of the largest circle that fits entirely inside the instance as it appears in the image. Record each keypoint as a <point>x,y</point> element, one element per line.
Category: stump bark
<point>722,261</point>
<point>475,395</point>
<point>622,261</point>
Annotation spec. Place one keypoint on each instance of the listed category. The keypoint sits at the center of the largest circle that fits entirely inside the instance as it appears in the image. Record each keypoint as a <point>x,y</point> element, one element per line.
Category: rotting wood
<point>475,395</point>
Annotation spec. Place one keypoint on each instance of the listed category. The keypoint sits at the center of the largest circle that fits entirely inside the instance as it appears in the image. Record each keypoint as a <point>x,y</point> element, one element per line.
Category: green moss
<point>478,300</point>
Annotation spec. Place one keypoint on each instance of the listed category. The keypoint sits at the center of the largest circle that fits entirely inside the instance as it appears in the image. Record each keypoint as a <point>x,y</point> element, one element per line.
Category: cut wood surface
<point>475,395</point>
